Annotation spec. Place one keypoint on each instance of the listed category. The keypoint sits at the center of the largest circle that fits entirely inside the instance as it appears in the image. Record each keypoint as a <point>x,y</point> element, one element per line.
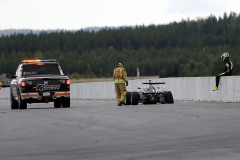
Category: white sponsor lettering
<point>43,87</point>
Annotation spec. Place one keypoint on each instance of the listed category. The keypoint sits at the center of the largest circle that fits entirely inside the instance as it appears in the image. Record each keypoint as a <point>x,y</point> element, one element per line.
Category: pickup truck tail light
<point>68,82</point>
<point>23,84</point>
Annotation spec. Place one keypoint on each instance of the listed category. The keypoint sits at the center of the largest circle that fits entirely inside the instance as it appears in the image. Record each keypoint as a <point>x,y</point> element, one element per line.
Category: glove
<point>126,83</point>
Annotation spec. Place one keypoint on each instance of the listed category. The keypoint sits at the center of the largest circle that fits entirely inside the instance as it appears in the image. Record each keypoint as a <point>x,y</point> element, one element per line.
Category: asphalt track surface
<point>100,130</point>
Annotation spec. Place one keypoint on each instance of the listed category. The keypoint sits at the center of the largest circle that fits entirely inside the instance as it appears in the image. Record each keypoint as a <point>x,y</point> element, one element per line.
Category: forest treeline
<point>186,48</point>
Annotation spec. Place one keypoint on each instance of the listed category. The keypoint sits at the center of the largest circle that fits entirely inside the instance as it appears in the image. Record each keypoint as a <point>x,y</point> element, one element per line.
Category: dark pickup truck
<point>39,81</point>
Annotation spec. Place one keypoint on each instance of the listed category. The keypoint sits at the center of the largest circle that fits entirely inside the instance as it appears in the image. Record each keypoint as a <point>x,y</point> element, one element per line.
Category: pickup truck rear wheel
<point>65,102</point>
<point>57,103</point>
<point>21,103</point>
<point>14,103</point>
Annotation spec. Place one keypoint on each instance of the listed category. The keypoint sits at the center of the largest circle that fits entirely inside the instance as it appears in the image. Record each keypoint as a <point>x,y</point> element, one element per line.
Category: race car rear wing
<point>155,83</point>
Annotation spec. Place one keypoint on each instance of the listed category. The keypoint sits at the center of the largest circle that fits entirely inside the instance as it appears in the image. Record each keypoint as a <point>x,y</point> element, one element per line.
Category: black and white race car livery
<point>150,94</point>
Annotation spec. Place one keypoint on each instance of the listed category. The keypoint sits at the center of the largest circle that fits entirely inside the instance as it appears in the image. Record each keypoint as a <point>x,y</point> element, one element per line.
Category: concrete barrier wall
<point>4,93</point>
<point>183,88</point>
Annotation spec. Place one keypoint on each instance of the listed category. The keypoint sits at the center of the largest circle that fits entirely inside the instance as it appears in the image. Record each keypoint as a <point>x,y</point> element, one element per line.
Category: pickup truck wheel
<point>57,103</point>
<point>14,103</point>
<point>65,102</point>
<point>21,104</point>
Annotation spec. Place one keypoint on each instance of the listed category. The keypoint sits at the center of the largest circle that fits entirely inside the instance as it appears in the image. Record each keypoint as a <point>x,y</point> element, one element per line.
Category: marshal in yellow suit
<point>120,78</point>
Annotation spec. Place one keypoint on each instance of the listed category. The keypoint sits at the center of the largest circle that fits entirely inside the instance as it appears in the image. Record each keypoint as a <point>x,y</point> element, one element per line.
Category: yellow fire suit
<point>120,78</point>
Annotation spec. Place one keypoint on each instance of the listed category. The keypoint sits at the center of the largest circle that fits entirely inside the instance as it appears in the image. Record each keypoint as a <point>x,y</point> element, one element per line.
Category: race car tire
<point>135,98</point>
<point>129,98</point>
<point>169,97</point>
<point>21,103</point>
<point>65,102</point>
<point>57,103</point>
<point>14,103</point>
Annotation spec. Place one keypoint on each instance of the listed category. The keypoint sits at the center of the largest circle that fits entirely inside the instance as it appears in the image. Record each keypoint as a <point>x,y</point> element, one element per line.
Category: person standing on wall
<point>227,71</point>
<point>120,78</point>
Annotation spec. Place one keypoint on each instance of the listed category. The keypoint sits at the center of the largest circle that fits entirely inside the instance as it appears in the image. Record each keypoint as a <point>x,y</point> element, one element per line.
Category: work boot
<point>123,103</point>
<point>215,88</point>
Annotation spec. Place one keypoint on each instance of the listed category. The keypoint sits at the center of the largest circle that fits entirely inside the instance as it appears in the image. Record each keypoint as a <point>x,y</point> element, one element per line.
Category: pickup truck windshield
<point>40,69</point>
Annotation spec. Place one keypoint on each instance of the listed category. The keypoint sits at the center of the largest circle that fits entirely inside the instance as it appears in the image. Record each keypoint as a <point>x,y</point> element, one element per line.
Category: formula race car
<point>150,94</point>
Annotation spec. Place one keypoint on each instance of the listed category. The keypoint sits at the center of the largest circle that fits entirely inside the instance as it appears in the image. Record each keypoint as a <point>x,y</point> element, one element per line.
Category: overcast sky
<point>77,14</point>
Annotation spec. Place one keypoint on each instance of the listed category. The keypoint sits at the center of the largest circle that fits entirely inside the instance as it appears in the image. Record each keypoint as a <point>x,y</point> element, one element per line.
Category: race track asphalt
<point>100,130</point>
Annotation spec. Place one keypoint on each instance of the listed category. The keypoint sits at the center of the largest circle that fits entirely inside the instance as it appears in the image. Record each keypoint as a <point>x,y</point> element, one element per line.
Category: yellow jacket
<point>120,75</point>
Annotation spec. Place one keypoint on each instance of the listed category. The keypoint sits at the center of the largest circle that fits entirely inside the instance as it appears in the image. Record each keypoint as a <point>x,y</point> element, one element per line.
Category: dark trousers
<point>222,74</point>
